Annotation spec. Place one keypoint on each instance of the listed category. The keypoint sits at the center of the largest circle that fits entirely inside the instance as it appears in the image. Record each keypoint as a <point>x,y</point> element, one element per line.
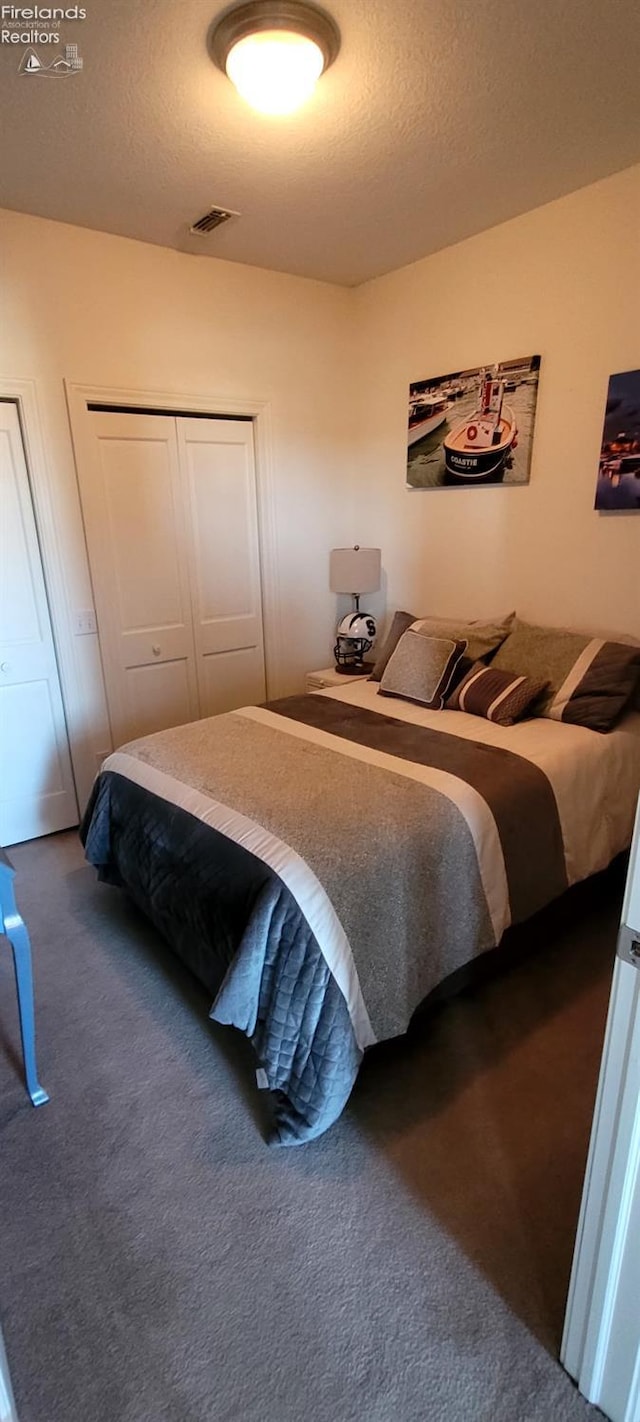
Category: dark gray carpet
<point>158,1263</point>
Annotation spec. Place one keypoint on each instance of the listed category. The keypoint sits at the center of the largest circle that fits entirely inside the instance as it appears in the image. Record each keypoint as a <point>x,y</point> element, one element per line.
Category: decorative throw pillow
<point>421,668</point>
<point>591,680</point>
<point>482,637</point>
<point>500,696</point>
<point>401,621</point>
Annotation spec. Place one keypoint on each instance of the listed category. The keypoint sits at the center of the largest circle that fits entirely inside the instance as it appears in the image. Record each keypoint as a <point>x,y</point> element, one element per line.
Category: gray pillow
<point>482,637</point>
<point>401,621</point>
<point>591,680</point>
<point>422,668</point>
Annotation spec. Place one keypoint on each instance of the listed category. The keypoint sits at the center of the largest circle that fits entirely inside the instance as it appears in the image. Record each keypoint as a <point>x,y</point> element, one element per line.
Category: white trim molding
<point>601,1343</point>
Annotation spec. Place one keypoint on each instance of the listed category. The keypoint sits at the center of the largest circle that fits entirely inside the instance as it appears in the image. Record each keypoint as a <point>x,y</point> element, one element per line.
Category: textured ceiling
<point>438,119</point>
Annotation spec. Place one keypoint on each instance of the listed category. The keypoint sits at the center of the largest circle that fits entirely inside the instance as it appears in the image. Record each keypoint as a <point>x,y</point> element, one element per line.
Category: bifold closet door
<point>217,461</point>
<point>172,532</point>
<point>37,793</point>
<point>137,538</point>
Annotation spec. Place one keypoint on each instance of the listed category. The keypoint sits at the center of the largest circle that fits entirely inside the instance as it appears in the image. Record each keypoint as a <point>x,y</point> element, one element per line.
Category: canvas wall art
<point>618,486</point>
<point>473,427</point>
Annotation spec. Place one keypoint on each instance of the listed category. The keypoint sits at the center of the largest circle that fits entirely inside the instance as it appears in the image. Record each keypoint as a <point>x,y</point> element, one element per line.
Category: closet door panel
<point>218,470</point>
<point>138,488</point>
<point>230,679</point>
<point>159,692</point>
<point>138,551</point>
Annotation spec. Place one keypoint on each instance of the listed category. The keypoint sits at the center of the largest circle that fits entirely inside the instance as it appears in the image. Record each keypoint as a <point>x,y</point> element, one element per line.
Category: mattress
<point>323,862</point>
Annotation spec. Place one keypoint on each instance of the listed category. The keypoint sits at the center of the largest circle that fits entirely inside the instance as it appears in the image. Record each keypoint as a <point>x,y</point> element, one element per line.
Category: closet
<point>170,512</point>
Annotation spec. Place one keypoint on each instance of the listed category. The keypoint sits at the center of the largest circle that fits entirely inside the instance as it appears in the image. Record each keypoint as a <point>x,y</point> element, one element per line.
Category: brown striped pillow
<point>421,669</point>
<point>591,680</point>
<point>500,696</point>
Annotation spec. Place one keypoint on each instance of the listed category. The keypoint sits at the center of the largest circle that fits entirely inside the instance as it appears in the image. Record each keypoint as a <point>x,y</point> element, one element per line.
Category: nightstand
<point>328,676</point>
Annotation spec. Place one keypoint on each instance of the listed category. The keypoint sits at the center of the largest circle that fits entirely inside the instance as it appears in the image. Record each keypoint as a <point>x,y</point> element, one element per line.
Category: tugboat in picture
<point>426,414</point>
<point>480,448</point>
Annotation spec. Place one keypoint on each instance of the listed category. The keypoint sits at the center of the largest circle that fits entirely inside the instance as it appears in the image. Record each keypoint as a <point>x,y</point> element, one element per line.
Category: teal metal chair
<point>13,928</point>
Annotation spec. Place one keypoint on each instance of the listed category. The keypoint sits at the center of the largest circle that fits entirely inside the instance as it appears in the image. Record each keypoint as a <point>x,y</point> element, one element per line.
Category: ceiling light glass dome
<point>274,51</point>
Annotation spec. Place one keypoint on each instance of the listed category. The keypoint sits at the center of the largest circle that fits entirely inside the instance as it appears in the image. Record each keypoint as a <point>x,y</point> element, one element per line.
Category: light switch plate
<point>85,622</point>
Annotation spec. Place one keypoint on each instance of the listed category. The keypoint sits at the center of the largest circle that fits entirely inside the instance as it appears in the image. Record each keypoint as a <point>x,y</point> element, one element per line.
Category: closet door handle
<point>5,667</point>
<point>156,649</point>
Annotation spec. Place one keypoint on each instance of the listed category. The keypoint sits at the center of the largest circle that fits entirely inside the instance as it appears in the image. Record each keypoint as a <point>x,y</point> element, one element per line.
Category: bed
<point>323,862</point>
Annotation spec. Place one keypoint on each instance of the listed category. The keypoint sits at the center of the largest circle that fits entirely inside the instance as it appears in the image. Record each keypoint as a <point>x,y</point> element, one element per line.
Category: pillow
<point>482,637</point>
<point>421,668</point>
<point>401,621</point>
<point>630,642</point>
<point>590,680</point>
<point>500,696</point>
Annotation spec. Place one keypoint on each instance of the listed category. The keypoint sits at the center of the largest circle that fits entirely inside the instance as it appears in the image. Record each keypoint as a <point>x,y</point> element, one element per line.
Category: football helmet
<point>355,636</point>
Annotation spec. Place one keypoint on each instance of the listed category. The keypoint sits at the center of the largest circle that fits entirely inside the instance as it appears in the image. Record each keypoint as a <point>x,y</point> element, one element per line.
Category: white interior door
<point>136,533</point>
<point>601,1344</point>
<point>37,794</point>
<point>218,469</point>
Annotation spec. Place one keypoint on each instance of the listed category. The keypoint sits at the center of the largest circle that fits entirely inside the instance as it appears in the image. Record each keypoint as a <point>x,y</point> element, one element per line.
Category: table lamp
<point>356,571</point>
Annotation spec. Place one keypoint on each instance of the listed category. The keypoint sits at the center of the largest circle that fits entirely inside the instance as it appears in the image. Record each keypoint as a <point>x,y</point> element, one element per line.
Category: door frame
<point>595,1350</point>
<point>80,396</point>
<point>24,394</point>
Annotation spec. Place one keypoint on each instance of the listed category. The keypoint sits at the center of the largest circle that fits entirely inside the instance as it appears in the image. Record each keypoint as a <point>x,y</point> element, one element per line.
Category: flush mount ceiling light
<point>274,51</point>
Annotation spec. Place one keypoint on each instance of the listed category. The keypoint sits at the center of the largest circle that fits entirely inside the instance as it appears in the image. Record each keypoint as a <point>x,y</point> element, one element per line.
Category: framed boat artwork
<point>473,427</point>
<point>618,486</point>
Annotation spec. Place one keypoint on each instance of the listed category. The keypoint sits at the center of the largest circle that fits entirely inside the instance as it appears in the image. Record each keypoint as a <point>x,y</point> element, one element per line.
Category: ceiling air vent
<point>210,220</point>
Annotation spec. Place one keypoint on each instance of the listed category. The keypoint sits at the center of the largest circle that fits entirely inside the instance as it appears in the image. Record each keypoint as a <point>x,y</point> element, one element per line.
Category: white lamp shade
<point>354,570</point>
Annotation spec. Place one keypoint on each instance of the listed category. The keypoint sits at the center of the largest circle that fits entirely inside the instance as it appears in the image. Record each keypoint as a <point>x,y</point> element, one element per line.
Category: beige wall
<point>106,311</point>
<point>564,282</point>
